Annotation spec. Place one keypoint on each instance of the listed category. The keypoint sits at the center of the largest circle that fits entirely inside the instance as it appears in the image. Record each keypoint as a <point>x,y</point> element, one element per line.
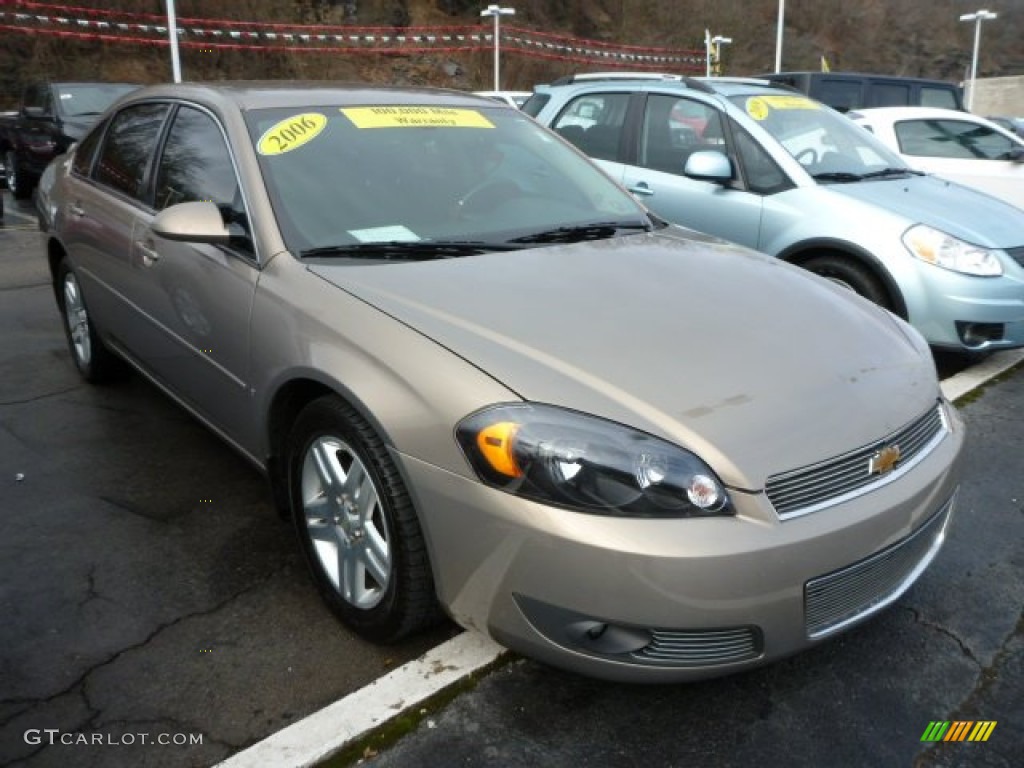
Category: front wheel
<point>852,275</point>
<point>17,181</point>
<point>356,524</point>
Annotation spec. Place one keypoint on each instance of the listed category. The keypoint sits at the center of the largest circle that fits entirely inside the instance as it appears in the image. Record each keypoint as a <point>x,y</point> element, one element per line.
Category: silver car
<point>774,170</point>
<point>482,379</point>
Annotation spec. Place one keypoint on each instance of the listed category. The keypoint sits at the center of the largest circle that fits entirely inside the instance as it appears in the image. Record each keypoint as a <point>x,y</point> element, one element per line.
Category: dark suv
<point>845,91</point>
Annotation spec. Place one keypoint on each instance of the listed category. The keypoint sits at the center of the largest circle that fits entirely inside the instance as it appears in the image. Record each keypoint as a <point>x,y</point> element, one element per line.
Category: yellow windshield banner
<point>758,107</point>
<point>415,117</point>
<point>291,133</point>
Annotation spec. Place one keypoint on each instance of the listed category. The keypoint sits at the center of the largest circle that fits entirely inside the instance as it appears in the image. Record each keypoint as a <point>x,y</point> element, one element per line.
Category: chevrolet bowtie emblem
<point>884,460</point>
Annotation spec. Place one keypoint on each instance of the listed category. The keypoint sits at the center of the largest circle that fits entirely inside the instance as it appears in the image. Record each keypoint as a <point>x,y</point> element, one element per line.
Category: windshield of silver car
<point>352,179</point>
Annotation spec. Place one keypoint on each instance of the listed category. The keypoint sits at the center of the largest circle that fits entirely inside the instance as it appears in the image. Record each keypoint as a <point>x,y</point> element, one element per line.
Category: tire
<point>356,524</point>
<point>18,182</point>
<point>94,361</point>
<point>852,275</point>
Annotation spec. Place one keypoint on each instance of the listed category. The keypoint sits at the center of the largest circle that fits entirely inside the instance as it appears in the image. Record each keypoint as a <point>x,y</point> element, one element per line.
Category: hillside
<point>909,37</point>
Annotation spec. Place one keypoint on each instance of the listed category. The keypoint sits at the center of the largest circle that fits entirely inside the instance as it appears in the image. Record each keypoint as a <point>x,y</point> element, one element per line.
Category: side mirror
<point>1015,155</point>
<point>198,222</point>
<point>709,165</point>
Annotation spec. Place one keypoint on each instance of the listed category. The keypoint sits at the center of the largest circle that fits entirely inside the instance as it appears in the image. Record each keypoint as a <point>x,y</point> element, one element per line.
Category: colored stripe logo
<point>958,730</point>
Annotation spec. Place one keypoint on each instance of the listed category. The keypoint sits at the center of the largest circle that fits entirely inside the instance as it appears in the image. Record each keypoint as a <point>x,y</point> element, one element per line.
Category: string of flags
<point>119,27</point>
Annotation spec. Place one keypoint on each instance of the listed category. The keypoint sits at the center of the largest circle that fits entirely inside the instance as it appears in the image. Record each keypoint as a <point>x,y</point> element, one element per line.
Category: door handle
<point>641,189</point>
<point>149,254</point>
<point>76,210</point>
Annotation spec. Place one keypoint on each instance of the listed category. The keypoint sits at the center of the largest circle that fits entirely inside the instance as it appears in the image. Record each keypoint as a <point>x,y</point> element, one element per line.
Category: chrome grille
<point>1017,254</point>
<point>844,596</point>
<point>810,488</point>
<point>701,647</point>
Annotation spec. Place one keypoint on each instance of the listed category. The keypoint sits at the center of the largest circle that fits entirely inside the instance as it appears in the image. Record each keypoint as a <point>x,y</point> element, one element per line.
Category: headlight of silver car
<point>581,462</point>
<point>948,252</point>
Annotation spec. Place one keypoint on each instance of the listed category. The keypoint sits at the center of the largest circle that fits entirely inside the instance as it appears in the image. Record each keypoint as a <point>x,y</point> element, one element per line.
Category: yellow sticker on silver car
<point>415,117</point>
<point>758,107</point>
<point>291,133</point>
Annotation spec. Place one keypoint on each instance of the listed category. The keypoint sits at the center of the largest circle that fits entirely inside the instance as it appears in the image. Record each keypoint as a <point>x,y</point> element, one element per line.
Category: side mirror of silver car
<point>199,222</point>
<point>709,165</point>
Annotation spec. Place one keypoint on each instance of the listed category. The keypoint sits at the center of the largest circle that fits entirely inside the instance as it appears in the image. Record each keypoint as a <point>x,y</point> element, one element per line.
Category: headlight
<point>948,252</point>
<point>584,463</point>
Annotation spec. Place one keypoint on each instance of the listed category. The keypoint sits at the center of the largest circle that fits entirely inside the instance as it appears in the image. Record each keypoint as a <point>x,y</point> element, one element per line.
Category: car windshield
<point>830,146</point>
<point>466,179</point>
<point>89,98</point>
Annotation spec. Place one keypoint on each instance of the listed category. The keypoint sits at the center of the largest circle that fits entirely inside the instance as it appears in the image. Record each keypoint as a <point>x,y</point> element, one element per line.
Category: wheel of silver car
<point>356,524</point>
<point>852,275</point>
<point>93,360</point>
<point>16,181</point>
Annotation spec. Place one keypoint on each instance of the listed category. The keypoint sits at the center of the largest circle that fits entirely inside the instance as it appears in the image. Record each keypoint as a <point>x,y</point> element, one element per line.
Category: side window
<point>763,175</point>
<point>938,97</point>
<point>957,139</point>
<point>593,122</point>
<point>85,151</point>
<point>842,95</point>
<point>128,148</point>
<point>674,128</point>
<point>196,166</point>
<point>889,95</point>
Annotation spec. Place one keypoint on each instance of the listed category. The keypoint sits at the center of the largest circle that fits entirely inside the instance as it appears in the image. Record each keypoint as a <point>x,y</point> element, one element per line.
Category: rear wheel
<point>852,275</point>
<point>94,361</point>
<point>356,524</point>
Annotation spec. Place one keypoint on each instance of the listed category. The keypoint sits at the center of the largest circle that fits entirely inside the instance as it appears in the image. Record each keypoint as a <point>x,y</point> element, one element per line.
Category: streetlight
<point>719,41</point>
<point>778,35</point>
<point>977,17</point>
<point>497,12</point>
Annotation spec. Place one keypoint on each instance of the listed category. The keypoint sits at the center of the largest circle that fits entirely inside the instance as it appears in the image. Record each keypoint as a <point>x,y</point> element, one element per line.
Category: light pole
<point>778,35</point>
<point>977,17</point>
<point>172,34</point>
<point>497,12</point>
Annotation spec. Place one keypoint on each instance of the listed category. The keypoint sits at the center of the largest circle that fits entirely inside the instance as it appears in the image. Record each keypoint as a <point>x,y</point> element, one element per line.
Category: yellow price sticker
<point>291,133</point>
<point>415,117</point>
<point>758,107</point>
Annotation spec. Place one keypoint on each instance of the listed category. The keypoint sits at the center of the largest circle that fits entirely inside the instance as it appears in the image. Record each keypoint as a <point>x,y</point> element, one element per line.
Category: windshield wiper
<point>416,250</point>
<point>600,230</point>
<point>842,177</point>
<point>893,172</point>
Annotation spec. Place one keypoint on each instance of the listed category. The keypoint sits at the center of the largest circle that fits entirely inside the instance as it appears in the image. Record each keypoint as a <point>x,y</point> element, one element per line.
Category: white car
<point>955,145</point>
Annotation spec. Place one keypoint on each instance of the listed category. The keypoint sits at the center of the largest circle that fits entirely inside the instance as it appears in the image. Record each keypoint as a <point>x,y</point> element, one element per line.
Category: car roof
<point>260,94</point>
<point>724,86</point>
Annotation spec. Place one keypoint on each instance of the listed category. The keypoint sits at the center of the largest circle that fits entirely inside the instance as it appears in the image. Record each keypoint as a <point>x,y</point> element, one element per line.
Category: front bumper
<point>672,600</point>
<point>965,312</point>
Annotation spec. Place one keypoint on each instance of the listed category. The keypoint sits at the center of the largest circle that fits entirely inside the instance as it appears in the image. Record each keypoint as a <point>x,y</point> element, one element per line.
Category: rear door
<point>596,123</point>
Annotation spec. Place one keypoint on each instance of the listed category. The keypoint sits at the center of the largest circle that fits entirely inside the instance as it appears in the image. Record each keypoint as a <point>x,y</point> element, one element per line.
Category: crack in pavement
<point>948,633</point>
<point>43,396</point>
<point>82,679</point>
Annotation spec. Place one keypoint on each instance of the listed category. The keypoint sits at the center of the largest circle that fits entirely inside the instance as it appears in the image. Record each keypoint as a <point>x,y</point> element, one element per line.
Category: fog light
<point>978,334</point>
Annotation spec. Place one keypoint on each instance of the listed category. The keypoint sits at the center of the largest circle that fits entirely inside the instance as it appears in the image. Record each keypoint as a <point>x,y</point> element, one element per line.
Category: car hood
<point>957,210</point>
<point>755,365</point>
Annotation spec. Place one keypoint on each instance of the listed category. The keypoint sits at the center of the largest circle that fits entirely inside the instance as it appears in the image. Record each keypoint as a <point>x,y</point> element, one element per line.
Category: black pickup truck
<point>51,117</point>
